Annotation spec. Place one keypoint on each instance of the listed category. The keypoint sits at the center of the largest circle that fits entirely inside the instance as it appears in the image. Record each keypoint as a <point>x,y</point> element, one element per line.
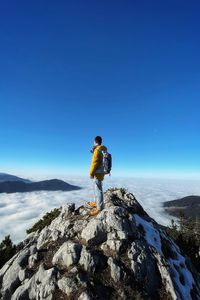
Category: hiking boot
<point>91,204</point>
<point>94,212</point>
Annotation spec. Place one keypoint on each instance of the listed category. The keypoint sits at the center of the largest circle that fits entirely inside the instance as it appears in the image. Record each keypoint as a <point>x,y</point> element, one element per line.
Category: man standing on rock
<point>97,173</point>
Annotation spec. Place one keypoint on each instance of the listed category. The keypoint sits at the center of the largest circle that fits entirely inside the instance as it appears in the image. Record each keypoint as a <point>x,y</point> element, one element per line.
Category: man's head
<point>98,140</point>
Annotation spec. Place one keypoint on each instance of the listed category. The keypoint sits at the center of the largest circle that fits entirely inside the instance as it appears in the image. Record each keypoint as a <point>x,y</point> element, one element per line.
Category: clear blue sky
<point>126,70</point>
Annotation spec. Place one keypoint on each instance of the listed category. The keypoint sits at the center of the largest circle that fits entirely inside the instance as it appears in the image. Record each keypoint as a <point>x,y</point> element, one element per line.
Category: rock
<point>116,220</point>
<point>88,260</point>
<point>84,296</point>
<point>67,255</point>
<point>74,270</point>
<point>94,232</point>
<point>29,240</point>
<point>121,198</point>
<point>143,265</point>
<point>114,245</point>
<point>79,225</point>
<point>59,227</point>
<point>22,275</point>
<point>82,279</point>
<point>71,285</point>
<point>165,276</point>
<point>33,258</point>
<point>122,253</point>
<point>11,280</point>
<point>67,209</point>
<point>42,284</point>
<point>20,294</point>
<point>5,268</point>
<point>117,273</point>
<point>68,285</point>
<point>45,235</point>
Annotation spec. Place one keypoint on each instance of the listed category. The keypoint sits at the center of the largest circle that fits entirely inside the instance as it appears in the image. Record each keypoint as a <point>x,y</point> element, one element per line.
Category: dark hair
<point>98,139</point>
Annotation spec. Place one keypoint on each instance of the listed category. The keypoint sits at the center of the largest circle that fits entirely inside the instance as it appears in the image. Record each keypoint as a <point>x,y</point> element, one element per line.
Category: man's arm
<point>96,162</point>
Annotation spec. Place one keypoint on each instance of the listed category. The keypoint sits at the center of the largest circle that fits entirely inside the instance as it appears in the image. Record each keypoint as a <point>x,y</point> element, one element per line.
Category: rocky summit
<point>122,253</point>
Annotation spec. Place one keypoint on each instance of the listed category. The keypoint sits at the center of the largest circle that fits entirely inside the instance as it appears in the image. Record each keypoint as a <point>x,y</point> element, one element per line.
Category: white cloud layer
<point>19,211</point>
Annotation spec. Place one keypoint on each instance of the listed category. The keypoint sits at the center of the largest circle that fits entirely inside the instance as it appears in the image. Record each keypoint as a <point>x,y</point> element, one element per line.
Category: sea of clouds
<point>19,211</point>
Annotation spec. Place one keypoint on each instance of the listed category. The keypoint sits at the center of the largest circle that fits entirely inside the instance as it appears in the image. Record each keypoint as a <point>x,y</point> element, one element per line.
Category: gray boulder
<point>88,260</point>
<point>67,255</point>
<point>94,232</point>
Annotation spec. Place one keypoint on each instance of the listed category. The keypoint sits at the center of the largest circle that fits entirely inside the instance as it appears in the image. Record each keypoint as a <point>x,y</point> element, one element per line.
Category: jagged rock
<point>71,285</point>
<point>116,221</point>
<point>68,285</point>
<point>45,235</point>
<point>111,244</point>
<point>120,198</point>
<point>59,227</point>
<point>143,265</point>
<point>20,294</point>
<point>117,273</point>
<point>165,276</point>
<point>79,225</point>
<point>10,277</point>
<point>40,286</point>
<point>88,260</point>
<point>94,232</point>
<point>67,255</point>
<point>84,296</point>
<point>22,275</point>
<point>33,256</point>
<point>120,254</point>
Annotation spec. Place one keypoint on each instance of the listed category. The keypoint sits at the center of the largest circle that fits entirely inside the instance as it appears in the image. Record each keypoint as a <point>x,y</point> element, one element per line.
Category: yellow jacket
<point>95,170</point>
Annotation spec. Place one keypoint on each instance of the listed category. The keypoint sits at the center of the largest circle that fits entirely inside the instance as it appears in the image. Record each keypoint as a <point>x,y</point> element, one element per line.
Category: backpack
<point>107,162</point>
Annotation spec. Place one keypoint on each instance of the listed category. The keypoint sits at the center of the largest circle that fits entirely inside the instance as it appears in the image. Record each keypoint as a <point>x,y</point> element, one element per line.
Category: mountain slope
<point>189,205</point>
<point>7,177</point>
<point>46,185</point>
<point>120,254</point>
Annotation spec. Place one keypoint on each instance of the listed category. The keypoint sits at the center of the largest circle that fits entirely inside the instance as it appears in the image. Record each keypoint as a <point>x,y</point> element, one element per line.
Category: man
<point>97,174</point>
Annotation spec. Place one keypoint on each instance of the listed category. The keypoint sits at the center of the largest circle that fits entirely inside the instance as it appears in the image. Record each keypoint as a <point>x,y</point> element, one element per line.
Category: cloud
<point>20,211</point>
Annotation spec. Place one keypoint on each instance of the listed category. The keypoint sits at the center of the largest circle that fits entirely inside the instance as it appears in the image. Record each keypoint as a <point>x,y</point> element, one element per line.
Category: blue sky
<point>126,70</point>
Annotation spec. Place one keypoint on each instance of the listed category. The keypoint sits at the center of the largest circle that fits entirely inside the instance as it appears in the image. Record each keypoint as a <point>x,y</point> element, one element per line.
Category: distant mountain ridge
<point>45,185</point>
<point>8,177</point>
<point>189,205</point>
